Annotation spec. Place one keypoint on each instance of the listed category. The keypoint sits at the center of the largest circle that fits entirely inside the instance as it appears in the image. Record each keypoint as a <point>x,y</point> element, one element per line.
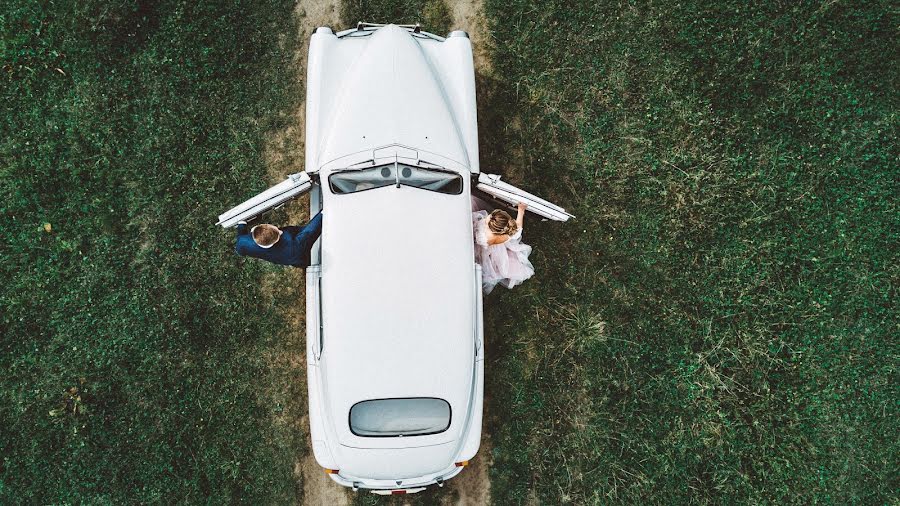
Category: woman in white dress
<point>499,248</point>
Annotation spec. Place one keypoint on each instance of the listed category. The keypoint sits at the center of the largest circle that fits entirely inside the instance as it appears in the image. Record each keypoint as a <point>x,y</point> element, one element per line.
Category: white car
<point>395,352</point>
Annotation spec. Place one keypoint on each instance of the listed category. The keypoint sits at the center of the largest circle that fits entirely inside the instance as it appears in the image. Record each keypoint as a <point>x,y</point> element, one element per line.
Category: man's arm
<point>242,231</point>
<point>311,231</point>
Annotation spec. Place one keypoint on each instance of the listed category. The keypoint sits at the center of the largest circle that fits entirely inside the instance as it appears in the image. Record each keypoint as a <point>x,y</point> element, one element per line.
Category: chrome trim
<point>479,315</point>
<point>508,194</point>
<point>314,330</point>
<point>292,187</point>
<point>390,491</point>
<point>365,29</point>
<point>321,320</point>
<point>389,485</point>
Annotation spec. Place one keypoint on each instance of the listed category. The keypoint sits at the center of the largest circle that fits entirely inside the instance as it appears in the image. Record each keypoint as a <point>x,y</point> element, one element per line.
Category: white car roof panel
<point>397,302</point>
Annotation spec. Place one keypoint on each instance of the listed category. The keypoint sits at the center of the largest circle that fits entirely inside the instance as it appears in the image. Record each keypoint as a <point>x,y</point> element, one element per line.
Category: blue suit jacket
<point>292,249</point>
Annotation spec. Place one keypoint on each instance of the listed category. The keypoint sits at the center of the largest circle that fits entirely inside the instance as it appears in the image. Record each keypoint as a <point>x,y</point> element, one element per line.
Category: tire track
<point>284,155</point>
<point>473,485</point>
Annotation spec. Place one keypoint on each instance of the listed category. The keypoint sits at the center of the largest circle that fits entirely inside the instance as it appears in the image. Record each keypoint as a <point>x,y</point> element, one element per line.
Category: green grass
<point>127,127</point>
<point>717,325</point>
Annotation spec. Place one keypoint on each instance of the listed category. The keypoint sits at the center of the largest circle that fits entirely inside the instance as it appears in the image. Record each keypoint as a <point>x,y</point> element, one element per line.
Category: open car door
<point>292,187</point>
<point>491,186</point>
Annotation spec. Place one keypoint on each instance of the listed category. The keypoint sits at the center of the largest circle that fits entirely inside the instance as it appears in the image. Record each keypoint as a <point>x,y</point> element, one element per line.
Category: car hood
<point>391,95</point>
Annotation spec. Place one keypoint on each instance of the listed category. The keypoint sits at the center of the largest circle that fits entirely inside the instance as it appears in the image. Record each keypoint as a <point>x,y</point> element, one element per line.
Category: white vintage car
<point>395,352</point>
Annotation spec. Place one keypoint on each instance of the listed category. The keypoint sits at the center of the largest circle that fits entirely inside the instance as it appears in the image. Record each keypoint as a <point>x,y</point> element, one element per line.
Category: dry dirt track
<point>285,156</point>
<point>473,485</point>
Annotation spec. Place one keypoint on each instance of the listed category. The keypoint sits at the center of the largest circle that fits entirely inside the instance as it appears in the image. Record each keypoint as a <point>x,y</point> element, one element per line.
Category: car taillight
<point>398,492</point>
<point>332,471</point>
<point>462,464</point>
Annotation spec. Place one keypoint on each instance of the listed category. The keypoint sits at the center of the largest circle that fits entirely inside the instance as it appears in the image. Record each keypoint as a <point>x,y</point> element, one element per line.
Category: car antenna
<point>396,170</point>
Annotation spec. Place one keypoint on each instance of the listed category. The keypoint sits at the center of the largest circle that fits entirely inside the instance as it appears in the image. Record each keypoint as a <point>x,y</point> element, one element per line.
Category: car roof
<point>398,300</point>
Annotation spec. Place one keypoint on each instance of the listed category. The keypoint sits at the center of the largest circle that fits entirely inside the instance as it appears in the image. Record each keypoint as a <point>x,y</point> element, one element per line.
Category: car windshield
<point>352,181</point>
<point>400,417</point>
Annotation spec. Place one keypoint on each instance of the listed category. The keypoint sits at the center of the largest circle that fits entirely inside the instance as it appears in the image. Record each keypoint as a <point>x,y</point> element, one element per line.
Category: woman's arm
<point>520,217</point>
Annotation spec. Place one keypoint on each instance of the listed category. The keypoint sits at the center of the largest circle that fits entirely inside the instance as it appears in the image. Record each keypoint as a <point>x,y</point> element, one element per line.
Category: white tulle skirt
<point>506,263</point>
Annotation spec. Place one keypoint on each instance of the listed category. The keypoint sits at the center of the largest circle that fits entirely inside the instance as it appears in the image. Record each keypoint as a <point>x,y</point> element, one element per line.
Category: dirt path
<point>473,486</point>
<point>284,155</point>
<point>318,488</point>
<point>468,15</point>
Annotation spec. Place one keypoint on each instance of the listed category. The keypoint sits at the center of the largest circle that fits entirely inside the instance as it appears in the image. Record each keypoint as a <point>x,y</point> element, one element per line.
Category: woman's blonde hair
<point>501,223</point>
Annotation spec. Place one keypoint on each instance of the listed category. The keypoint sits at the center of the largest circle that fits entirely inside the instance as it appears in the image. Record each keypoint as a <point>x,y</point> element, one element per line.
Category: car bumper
<point>410,486</point>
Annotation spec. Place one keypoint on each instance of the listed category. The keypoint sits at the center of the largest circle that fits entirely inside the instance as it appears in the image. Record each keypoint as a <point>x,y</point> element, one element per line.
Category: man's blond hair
<point>265,235</point>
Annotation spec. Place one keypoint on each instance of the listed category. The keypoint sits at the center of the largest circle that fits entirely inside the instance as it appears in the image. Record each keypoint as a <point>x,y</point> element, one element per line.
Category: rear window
<point>418,416</point>
<point>357,180</point>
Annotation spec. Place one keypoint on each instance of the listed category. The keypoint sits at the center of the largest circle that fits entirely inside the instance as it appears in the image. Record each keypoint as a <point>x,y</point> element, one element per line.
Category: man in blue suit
<point>283,246</point>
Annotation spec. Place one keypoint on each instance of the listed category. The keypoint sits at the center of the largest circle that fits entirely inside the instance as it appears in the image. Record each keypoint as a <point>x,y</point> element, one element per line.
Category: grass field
<point>126,128</point>
<point>718,325</point>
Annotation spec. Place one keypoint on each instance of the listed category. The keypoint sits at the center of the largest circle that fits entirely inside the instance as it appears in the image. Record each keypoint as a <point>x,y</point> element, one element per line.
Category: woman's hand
<point>522,206</point>
<point>520,218</point>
